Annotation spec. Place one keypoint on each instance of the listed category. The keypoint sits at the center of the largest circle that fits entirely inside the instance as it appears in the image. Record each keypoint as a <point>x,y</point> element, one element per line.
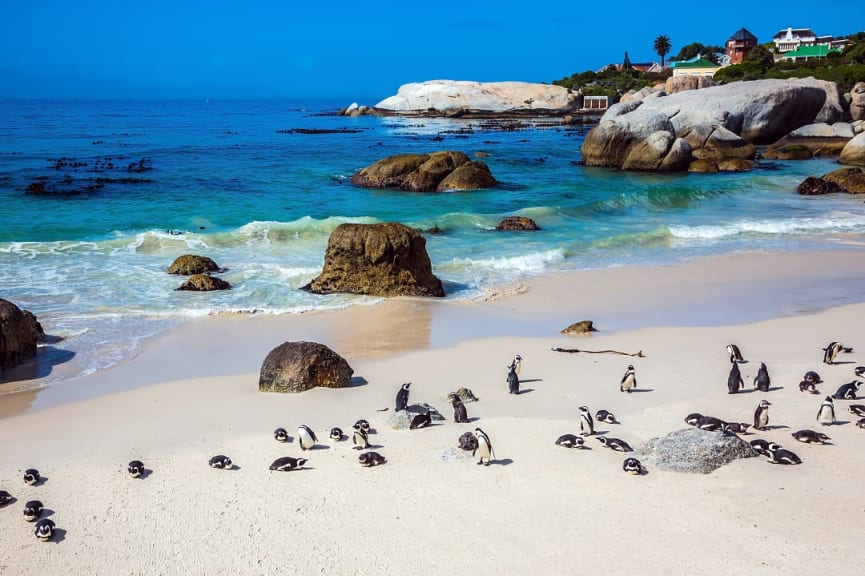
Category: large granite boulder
<point>850,180</point>
<point>854,151</point>
<point>190,264</point>
<point>857,102</point>
<point>676,84</point>
<point>387,259</point>
<point>621,128</point>
<point>19,333</point>
<point>299,366</point>
<point>811,141</point>
<point>450,97</point>
<point>435,172</point>
<point>204,283</point>
<point>714,148</point>
<point>694,450</point>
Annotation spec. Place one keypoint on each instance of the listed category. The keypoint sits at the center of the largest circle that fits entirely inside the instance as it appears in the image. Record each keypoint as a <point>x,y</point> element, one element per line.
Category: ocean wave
<point>523,263</point>
<point>839,222</point>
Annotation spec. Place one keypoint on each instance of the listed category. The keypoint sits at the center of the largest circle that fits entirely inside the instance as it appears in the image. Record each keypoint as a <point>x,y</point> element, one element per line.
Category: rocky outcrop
<point>517,223</point>
<point>854,151</point>
<point>204,283</point>
<point>299,366</point>
<point>435,172</point>
<point>813,186</point>
<point>676,84</point>
<point>694,450</point>
<point>581,327</point>
<point>19,333</point>
<point>643,93</point>
<point>190,264</point>
<point>850,180</point>
<point>401,419</point>
<point>465,98</point>
<point>811,141</point>
<point>387,259</point>
<point>857,101</point>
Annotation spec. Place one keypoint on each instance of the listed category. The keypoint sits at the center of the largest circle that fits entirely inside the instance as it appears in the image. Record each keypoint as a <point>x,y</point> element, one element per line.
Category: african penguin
<point>782,456</point>
<point>710,423</point>
<point>44,529</point>
<point>402,397</point>
<point>736,427</point>
<point>420,421</point>
<point>761,415</point>
<point>287,463</point>
<point>362,424</point>
<point>606,416</point>
<point>221,462</point>
<point>306,437</point>
<point>762,447</point>
<point>513,380</point>
<point>281,435</point>
<point>360,439</point>
<point>632,466</point>
<point>587,425</point>
<point>761,380</point>
<point>812,377</point>
<point>859,371</point>
<point>861,423</point>
<point>5,498</point>
<point>517,364</point>
<point>826,413</point>
<point>830,352</point>
<point>693,418</point>
<point>857,409</point>
<point>735,353</point>
<point>370,459</point>
<point>468,441</point>
<point>460,414</point>
<point>31,476</point>
<point>135,468</point>
<point>734,380</point>
<point>570,441</point>
<point>485,447</point>
<point>615,444</point>
<point>629,380</point>
<point>847,391</point>
<point>810,437</point>
<point>32,510</point>
<point>805,386</point>
<point>336,434</point>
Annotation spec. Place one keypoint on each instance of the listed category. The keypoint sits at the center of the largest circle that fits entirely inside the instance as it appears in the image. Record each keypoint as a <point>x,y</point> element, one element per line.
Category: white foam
<point>840,222</point>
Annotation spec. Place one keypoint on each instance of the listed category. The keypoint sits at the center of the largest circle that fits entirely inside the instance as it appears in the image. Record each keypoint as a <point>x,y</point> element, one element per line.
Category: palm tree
<point>662,47</point>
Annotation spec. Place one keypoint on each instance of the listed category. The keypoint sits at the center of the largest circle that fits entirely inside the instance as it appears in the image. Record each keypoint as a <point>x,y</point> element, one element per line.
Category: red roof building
<point>739,44</point>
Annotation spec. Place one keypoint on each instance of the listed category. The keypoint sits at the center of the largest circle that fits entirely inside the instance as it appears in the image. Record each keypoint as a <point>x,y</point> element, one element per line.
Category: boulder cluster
<point>199,269</point>
<point>435,172</point>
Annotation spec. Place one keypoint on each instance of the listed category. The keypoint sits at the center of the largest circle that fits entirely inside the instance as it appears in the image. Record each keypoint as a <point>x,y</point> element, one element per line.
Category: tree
<point>662,47</point>
<point>626,63</point>
<point>695,48</point>
<point>761,56</point>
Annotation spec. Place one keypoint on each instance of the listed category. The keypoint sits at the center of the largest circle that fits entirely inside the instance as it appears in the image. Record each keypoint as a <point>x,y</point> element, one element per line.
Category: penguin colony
<point>480,444</point>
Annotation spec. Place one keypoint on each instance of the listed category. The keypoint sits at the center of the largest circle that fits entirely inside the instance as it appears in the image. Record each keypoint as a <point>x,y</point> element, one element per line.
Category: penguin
<point>805,386</point>
<point>615,444</point>
<point>761,380</point>
<point>857,409</point>
<point>826,413</point>
<point>861,423</point>
<point>420,421</point>
<point>736,427</point>
<point>468,441</point>
<point>31,476</point>
<point>693,418</point>
<point>221,462</point>
<point>606,416</point>
<point>402,397</point>
<point>812,377</point>
<point>135,468</point>
<point>782,456</point>
<point>710,423</point>
<point>847,391</point>
<point>735,353</point>
<point>287,463</point>
<point>5,498</point>
<point>362,425</point>
<point>517,364</point>
<point>810,437</point>
<point>761,415</point>
<point>44,529</point>
<point>306,437</point>
<point>629,380</point>
<point>587,425</point>
<point>32,510</point>
<point>336,434</point>
<point>761,447</point>
<point>734,380</point>
<point>281,435</point>
<point>360,439</point>
<point>485,447</point>
<point>460,414</point>
<point>859,371</point>
<point>632,466</point>
<point>570,441</point>
<point>371,459</point>
<point>513,380</point>
<point>830,352</point>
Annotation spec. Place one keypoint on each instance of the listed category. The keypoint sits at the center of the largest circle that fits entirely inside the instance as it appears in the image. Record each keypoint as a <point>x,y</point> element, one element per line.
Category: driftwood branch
<point>638,354</point>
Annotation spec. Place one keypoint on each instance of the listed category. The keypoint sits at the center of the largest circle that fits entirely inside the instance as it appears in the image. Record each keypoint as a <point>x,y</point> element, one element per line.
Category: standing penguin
<point>360,439</point>
<point>830,352</point>
<point>460,414</point>
<point>306,437</point>
<point>517,364</point>
<point>826,413</point>
<point>513,380</point>
<point>761,380</point>
<point>402,397</point>
<point>761,415</point>
<point>587,425</point>
<point>629,380</point>
<point>735,353</point>
<point>734,380</point>
<point>485,447</point>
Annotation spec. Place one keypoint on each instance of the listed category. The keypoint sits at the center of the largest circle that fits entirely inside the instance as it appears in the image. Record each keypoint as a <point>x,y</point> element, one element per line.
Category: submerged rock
<point>694,450</point>
<point>299,366</point>
<point>517,223</point>
<point>204,283</point>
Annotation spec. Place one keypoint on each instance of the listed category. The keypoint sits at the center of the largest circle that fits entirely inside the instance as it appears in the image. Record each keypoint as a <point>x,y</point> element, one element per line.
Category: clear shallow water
<point>231,181</point>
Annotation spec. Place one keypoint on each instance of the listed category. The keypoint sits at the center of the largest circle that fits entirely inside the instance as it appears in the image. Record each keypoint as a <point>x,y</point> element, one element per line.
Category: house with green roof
<point>809,53</point>
<point>698,66</point>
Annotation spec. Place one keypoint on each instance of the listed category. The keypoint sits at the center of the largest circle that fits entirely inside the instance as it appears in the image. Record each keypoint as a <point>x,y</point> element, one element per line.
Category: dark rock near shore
<point>299,366</point>
<point>517,223</point>
<point>19,333</point>
<point>388,259</point>
<point>435,172</point>
<point>850,180</point>
<point>694,450</point>
<point>190,264</point>
<point>204,283</point>
<point>813,186</point>
<point>581,327</point>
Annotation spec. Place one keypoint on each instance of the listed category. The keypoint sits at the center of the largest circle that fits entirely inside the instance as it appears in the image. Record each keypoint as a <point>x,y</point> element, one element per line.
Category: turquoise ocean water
<point>138,183</point>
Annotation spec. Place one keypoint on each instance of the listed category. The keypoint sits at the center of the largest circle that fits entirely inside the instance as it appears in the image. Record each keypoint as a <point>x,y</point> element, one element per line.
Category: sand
<point>538,508</point>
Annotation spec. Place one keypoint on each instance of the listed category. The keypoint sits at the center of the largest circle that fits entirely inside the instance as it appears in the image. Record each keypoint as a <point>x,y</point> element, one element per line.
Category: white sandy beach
<point>538,509</point>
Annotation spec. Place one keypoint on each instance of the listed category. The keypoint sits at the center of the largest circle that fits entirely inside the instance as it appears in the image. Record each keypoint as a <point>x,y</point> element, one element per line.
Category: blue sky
<point>351,51</point>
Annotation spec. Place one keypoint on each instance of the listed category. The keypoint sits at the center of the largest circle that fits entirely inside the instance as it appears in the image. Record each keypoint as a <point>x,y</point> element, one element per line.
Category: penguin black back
<point>513,380</point>
<point>735,353</point>
<point>762,381</point>
<point>734,380</point>
<point>420,421</point>
<point>460,414</point>
<point>402,397</point>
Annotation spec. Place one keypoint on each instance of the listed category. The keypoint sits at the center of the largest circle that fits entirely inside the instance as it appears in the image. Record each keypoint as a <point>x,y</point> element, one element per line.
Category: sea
<point>258,186</point>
